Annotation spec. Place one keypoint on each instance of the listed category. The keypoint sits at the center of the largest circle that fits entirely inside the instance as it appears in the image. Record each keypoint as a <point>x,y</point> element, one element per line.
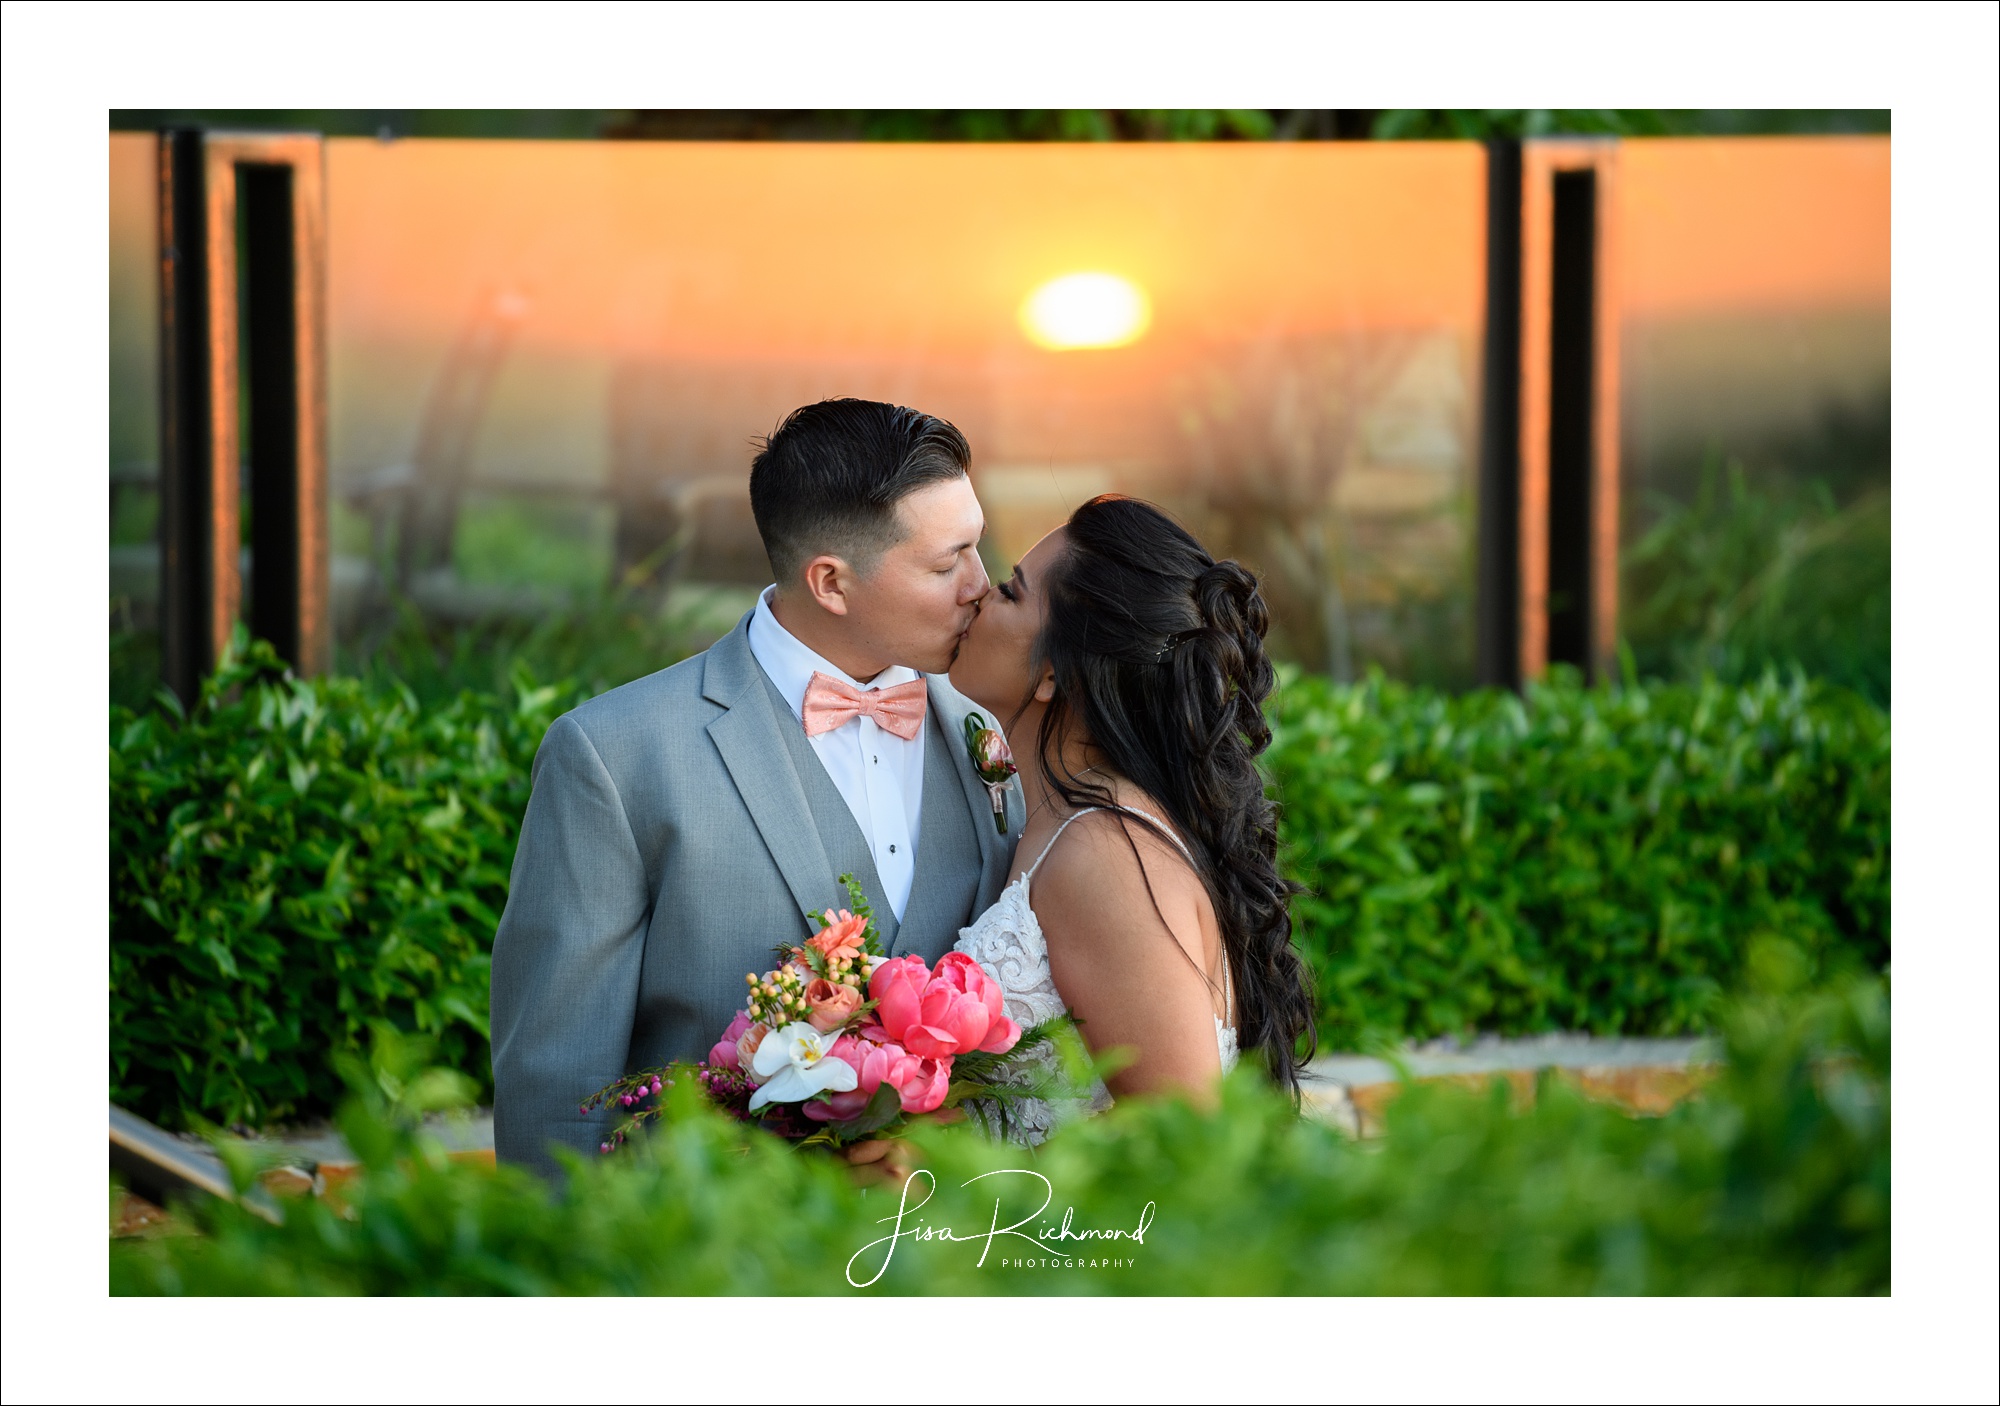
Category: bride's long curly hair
<point>1159,662</point>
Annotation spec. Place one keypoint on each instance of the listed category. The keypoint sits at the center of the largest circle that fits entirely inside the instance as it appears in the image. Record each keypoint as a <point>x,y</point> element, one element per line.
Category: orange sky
<point>755,249</point>
<point>1745,223</point>
<point>899,269</point>
<point>750,250</point>
<point>728,250</point>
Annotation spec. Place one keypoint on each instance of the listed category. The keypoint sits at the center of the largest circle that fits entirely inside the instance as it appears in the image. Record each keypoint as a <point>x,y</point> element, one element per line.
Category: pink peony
<point>920,1083</point>
<point>845,1105</point>
<point>962,973</point>
<point>725,1054</point>
<point>897,988</point>
<point>952,1011</point>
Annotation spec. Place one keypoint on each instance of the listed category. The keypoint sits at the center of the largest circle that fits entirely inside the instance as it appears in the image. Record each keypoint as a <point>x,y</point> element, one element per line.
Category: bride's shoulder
<point>1110,859</point>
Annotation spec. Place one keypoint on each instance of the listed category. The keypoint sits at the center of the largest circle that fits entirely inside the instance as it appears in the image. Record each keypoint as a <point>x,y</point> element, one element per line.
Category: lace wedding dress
<point>1007,940</point>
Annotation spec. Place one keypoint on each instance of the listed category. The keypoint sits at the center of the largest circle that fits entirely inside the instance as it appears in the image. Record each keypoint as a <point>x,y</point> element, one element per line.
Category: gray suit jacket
<point>676,833</point>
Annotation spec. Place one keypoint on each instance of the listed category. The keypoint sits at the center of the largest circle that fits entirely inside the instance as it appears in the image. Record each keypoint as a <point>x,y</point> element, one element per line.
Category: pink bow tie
<point>831,703</point>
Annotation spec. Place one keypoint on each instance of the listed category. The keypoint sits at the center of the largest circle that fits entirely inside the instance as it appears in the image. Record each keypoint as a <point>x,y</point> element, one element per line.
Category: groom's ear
<point>827,580</point>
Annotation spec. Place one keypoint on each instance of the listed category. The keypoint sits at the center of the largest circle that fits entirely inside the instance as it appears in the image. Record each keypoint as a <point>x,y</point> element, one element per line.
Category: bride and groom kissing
<point>682,825</point>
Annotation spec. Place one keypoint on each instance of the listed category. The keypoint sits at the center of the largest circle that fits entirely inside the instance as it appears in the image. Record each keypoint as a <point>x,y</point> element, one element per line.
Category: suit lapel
<point>995,849</point>
<point>950,861</point>
<point>759,763</point>
<point>827,812</point>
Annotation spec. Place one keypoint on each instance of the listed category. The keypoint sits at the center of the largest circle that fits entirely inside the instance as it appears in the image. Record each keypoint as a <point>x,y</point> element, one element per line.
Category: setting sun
<point>1082,310</point>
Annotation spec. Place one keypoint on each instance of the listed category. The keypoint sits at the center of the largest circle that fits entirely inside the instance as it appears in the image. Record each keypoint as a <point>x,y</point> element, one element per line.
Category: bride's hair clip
<point>1174,642</point>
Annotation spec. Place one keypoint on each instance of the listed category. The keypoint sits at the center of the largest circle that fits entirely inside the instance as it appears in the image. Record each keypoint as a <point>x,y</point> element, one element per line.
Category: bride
<point>1128,667</point>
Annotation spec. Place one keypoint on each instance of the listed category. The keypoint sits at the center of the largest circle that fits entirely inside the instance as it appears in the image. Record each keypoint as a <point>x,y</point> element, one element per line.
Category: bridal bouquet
<point>838,1042</point>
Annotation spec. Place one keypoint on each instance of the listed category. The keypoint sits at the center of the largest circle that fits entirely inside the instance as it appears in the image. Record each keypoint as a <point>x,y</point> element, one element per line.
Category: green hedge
<point>1747,568</point>
<point>1775,1182</point>
<point>1578,859</point>
<point>294,862</point>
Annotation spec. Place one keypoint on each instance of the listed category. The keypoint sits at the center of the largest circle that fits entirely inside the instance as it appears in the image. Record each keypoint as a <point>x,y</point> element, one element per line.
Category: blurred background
<point>553,337</point>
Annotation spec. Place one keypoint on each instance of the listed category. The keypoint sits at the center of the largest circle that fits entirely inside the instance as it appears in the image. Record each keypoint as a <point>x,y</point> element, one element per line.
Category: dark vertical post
<point>185,571</point>
<point>1572,417</point>
<point>243,383</point>
<point>1498,583</point>
<point>271,381</point>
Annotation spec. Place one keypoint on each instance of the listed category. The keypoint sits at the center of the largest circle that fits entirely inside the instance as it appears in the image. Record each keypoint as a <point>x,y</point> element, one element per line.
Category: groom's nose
<point>978,587</point>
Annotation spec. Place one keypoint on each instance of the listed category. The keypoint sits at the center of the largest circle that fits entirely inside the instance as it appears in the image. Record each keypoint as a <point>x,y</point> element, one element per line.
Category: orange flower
<point>831,1003</point>
<point>841,937</point>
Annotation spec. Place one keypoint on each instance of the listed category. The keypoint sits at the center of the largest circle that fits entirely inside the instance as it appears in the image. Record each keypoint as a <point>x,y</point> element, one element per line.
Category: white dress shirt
<point>878,774</point>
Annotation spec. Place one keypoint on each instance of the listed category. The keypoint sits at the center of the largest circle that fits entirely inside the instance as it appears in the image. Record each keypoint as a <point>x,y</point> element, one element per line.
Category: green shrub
<point>1578,859</point>
<point>599,638</point>
<point>1775,1182</point>
<point>296,860</point>
<point>292,862</point>
<point>1750,573</point>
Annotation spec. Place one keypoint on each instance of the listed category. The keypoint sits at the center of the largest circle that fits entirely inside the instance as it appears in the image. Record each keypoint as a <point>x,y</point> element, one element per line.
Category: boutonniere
<point>993,760</point>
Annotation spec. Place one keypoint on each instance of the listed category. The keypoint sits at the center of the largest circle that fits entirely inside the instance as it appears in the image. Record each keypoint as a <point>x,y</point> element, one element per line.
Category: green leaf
<point>884,1106</point>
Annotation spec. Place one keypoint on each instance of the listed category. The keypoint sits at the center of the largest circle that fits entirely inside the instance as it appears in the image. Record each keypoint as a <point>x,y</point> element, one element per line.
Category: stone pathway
<point>1643,1076</point>
<point>322,1143</point>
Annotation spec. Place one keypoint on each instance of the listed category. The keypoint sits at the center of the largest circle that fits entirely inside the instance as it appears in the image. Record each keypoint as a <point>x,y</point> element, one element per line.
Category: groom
<point>683,825</point>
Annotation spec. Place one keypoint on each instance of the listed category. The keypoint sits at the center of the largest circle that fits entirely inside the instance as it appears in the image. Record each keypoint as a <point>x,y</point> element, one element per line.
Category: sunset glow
<point>1083,310</point>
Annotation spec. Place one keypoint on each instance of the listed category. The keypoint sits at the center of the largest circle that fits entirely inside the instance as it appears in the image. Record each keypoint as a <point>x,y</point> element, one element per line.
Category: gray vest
<point>947,861</point>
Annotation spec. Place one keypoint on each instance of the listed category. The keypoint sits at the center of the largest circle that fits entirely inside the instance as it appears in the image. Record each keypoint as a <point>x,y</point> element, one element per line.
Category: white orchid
<point>795,1062</point>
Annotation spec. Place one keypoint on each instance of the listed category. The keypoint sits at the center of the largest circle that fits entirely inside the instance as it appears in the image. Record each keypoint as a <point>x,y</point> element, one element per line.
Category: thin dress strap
<point>1163,828</point>
<point>1030,874</point>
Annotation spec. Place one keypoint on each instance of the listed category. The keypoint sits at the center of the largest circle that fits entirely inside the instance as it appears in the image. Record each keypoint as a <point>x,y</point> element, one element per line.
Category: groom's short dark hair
<point>828,479</point>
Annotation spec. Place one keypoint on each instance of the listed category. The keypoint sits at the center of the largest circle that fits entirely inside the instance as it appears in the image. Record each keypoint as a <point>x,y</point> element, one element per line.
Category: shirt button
<point>892,849</point>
